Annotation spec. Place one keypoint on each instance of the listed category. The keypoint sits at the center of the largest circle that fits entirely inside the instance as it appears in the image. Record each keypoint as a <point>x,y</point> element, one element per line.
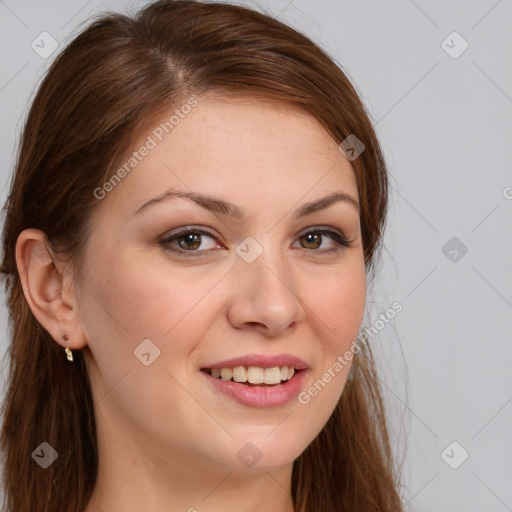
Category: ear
<point>49,288</point>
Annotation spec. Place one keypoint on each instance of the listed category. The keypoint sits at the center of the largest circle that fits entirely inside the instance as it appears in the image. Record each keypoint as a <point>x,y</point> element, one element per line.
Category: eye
<point>189,240</point>
<point>314,240</point>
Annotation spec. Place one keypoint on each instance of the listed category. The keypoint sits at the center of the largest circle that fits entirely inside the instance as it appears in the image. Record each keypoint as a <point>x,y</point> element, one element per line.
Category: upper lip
<point>263,361</point>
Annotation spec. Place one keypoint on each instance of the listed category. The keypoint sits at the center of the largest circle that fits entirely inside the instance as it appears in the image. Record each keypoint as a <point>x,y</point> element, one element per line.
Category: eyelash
<point>339,239</point>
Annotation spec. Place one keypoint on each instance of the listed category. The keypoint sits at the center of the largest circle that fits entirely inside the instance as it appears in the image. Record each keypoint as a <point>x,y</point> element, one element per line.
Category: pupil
<point>191,239</point>
<point>312,238</point>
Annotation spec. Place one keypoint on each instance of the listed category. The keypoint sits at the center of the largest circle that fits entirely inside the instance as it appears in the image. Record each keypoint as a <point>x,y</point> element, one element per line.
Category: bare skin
<point>168,441</point>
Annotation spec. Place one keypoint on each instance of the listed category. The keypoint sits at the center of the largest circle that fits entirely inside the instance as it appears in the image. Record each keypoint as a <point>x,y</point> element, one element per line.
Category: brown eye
<point>195,242</point>
<point>314,239</point>
<point>189,241</point>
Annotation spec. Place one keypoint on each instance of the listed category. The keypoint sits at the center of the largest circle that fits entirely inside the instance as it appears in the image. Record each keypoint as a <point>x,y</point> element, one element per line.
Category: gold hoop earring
<point>69,354</point>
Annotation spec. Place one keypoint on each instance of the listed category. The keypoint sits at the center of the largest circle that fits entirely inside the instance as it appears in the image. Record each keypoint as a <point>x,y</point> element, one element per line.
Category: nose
<point>265,300</point>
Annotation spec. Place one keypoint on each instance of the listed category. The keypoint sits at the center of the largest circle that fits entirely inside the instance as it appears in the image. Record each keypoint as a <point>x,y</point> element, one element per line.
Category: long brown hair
<point>117,73</point>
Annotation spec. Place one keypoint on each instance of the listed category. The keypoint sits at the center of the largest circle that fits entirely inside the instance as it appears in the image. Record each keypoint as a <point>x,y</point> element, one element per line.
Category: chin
<point>263,452</point>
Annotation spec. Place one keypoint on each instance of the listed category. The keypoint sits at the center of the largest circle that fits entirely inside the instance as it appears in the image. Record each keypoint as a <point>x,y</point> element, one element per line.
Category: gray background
<point>445,125</point>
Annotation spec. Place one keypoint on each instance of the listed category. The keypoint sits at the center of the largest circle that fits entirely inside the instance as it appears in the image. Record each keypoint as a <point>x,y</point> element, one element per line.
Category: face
<point>177,290</point>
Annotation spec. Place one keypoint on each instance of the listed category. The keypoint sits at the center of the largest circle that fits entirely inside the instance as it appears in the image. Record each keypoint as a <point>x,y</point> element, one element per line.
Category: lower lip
<point>261,397</point>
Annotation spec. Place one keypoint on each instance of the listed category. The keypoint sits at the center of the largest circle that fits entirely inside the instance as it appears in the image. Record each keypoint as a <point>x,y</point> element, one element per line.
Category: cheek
<point>338,303</point>
<point>128,301</point>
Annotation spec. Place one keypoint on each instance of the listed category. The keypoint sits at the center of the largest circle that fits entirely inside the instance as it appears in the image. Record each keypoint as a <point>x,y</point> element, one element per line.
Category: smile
<point>261,395</point>
<point>253,374</point>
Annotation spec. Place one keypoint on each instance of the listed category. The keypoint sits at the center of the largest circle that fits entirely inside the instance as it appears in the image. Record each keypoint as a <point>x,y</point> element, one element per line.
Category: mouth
<point>254,376</point>
<point>258,380</point>
<point>257,386</point>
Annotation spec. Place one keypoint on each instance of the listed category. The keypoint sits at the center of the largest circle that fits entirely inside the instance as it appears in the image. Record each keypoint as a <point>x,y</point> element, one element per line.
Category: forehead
<point>242,149</point>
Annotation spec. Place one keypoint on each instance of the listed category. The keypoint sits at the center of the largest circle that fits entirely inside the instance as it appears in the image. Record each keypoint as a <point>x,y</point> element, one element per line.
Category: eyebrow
<point>222,207</point>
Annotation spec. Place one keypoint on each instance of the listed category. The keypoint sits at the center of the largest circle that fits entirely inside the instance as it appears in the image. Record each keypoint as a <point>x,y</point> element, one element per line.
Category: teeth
<point>240,374</point>
<point>272,375</point>
<point>254,374</point>
<point>226,373</point>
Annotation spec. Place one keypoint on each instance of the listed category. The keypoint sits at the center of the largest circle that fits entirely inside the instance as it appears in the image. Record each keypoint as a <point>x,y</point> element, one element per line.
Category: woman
<point>198,200</point>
